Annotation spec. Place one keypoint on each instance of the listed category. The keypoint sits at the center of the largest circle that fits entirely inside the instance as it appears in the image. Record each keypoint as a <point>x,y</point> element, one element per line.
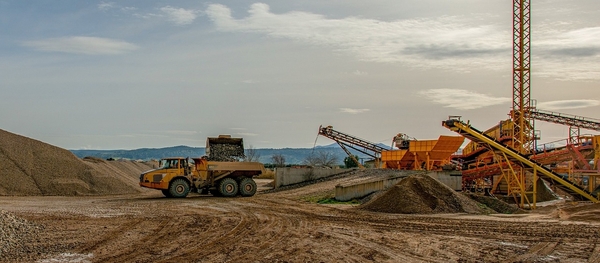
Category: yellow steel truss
<point>518,179</point>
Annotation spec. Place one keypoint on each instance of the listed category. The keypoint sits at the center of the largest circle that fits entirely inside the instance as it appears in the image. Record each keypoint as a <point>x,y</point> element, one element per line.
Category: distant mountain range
<point>292,155</point>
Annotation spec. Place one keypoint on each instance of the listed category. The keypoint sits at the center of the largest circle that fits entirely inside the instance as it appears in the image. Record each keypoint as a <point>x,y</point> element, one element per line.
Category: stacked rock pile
<point>15,234</point>
<point>226,153</point>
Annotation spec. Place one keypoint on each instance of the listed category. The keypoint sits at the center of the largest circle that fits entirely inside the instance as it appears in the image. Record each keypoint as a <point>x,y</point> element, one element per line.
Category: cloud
<point>82,45</point>
<point>353,111</point>
<point>441,51</point>
<point>446,42</point>
<point>577,43</point>
<point>360,73</point>
<point>179,16</point>
<point>567,104</point>
<point>570,55</point>
<point>106,5</point>
<point>128,9</point>
<point>456,43</point>
<point>462,99</point>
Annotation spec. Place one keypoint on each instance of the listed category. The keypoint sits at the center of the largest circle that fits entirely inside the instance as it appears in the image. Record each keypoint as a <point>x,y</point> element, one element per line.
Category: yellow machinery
<point>421,155</point>
<point>411,154</point>
<point>177,176</point>
<point>518,167</point>
<point>485,166</point>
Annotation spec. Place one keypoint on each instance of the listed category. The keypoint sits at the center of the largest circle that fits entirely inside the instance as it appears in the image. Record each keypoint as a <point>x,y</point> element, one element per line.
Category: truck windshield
<point>169,164</point>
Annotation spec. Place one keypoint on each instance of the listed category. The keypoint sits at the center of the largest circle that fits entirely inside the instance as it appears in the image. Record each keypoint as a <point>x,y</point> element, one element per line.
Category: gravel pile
<point>544,193</point>
<point>225,152</point>
<point>421,194</point>
<point>15,234</point>
<point>31,167</point>
<point>495,204</point>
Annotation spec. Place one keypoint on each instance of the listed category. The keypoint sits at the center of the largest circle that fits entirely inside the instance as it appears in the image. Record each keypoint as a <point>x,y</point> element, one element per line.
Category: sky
<point>151,74</point>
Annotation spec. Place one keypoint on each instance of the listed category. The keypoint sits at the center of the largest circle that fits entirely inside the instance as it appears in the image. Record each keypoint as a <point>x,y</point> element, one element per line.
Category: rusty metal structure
<point>346,141</point>
<point>521,104</point>
<point>487,168</point>
<point>512,165</point>
<point>564,119</point>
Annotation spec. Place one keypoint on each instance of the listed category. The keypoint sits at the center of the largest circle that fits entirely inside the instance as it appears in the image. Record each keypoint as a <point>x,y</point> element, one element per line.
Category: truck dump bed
<point>235,169</point>
<point>224,148</point>
<point>235,166</point>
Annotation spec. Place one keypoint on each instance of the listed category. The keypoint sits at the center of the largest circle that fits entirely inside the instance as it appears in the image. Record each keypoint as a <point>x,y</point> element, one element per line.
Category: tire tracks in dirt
<point>539,250</point>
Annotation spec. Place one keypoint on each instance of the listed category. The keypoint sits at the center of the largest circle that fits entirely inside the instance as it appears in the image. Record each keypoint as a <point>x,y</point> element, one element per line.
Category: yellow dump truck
<point>177,176</point>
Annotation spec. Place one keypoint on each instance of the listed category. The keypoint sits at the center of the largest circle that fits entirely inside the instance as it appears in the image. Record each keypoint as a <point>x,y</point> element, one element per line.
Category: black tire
<point>228,187</point>
<point>179,188</point>
<point>166,192</point>
<point>247,187</point>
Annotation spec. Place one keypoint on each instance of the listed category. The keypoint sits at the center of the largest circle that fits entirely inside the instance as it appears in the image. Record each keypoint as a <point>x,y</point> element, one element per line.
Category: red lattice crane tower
<point>523,137</point>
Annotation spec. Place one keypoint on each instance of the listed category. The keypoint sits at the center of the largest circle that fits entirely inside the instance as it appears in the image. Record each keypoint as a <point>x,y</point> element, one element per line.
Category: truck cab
<point>168,170</point>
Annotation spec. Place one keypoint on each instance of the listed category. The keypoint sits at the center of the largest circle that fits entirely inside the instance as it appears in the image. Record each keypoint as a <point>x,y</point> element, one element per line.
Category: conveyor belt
<point>512,155</point>
<point>565,119</point>
<point>353,142</point>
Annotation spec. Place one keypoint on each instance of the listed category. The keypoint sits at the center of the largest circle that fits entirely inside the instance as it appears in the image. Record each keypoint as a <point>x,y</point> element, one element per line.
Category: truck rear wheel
<point>247,187</point>
<point>228,187</point>
<point>179,188</point>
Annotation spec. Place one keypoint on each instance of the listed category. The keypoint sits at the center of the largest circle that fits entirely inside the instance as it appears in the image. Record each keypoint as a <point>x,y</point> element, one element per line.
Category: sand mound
<point>31,167</point>
<point>495,204</point>
<point>580,212</point>
<point>421,194</point>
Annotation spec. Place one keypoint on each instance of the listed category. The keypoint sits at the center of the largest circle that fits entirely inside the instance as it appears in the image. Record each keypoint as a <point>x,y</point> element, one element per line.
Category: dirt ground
<point>283,227</point>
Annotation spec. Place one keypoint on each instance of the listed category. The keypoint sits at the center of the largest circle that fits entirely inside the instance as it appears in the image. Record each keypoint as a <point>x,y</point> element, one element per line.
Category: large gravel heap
<point>15,233</point>
<point>31,167</point>
<point>226,152</point>
<point>421,194</point>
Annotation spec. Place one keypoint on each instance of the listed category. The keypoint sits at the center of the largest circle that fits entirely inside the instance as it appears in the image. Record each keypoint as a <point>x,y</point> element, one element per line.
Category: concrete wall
<point>288,176</point>
<point>347,192</point>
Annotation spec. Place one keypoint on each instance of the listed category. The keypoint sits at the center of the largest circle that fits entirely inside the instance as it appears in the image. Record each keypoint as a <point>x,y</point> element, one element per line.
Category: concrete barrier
<point>347,192</point>
<point>288,175</point>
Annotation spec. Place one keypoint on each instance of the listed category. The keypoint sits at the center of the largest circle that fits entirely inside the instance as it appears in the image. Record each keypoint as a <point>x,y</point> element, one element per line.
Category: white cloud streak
<point>82,45</point>
<point>453,43</point>
<point>567,104</point>
<point>179,16</point>
<point>462,99</point>
<point>559,50</point>
<point>106,6</point>
<point>353,111</point>
<point>360,73</point>
<point>447,42</point>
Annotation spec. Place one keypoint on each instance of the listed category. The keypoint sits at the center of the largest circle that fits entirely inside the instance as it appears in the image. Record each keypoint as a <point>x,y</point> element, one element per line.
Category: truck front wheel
<point>179,188</point>
<point>247,187</point>
<point>228,187</point>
